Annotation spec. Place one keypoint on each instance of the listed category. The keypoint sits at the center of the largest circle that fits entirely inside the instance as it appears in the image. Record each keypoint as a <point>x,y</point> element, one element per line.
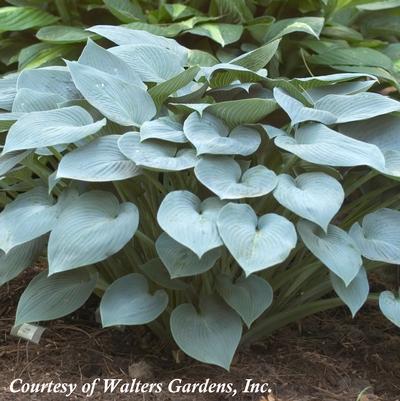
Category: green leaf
<point>61,34</point>
<point>49,128</point>
<point>49,298</point>
<point>314,196</point>
<point>10,160</point>
<point>210,335</point>
<point>97,57</point>
<point>234,10</point>
<point>120,101</point>
<point>127,301</point>
<point>92,228</point>
<point>335,249</point>
<point>31,215</point>
<point>19,258</point>
<point>21,18</point>
<point>223,34</point>
<point>125,10</point>
<point>390,307</point>
<point>163,128</point>
<point>155,155</point>
<point>310,25</point>
<point>378,237</point>
<point>319,144</point>
<point>210,135</point>
<point>152,63</point>
<point>191,222</point>
<point>249,297</point>
<point>379,5</point>
<point>180,261</point>
<point>255,243</point>
<point>224,177</point>
<point>98,161</point>
<point>355,294</point>
<point>156,272</point>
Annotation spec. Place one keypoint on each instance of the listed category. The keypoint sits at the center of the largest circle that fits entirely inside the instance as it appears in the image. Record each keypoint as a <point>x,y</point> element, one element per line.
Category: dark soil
<point>328,357</point>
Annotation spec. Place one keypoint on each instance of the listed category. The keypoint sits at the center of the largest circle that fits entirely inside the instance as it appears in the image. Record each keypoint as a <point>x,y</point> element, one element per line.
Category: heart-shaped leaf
<point>90,229</point>
<point>97,57</point>
<point>378,238</point>
<point>127,301</point>
<point>190,221</point>
<point>210,135</point>
<point>155,155</point>
<point>163,128</point>
<point>224,177</point>
<point>150,63</point>
<point>49,298</point>
<point>31,215</point>
<point>390,307</point>
<point>49,128</point>
<point>180,261</point>
<point>319,144</point>
<point>19,258</point>
<point>335,249</point>
<point>355,294</point>
<point>249,297</point>
<point>211,335</point>
<point>255,243</point>
<point>120,101</point>
<point>314,196</point>
<point>100,160</point>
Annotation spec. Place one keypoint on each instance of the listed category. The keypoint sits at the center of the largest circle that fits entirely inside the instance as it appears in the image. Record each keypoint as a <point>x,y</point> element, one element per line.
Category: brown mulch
<point>328,357</point>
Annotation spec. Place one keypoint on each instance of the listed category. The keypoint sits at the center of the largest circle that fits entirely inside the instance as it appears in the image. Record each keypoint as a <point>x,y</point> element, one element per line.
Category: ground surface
<point>329,357</point>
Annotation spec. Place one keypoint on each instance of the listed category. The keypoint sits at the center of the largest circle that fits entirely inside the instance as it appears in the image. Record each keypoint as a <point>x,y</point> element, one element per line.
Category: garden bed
<point>328,357</point>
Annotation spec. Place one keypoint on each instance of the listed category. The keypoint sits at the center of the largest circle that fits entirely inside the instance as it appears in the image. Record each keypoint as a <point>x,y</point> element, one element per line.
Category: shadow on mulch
<point>329,357</point>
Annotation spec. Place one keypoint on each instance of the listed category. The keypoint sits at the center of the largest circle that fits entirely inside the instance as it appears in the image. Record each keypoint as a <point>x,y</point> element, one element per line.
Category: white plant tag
<point>30,332</point>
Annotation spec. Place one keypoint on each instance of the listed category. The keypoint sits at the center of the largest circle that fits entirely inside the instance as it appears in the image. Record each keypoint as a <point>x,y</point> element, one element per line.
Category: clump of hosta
<point>215,203</point>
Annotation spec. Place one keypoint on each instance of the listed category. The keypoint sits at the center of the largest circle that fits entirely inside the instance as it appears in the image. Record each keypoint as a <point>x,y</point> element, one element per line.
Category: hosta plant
<point>214,203</point>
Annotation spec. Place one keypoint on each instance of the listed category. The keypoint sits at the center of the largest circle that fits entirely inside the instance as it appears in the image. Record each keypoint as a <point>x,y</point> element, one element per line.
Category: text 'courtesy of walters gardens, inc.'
<point>135,386</point>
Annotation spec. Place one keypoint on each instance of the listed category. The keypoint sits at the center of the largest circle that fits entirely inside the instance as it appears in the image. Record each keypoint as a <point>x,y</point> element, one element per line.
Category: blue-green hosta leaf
<point>120,101</point>
<point>61,34</point>
<point>308,83</point>
<point>9,160</point>
<point>92,228</point>
<point>319,144</point>
<point>255,243</point>
<point>31,215</point>
<point>314,196</point>
<point>249,297</point>
<point>390,307</point>
<point>150,63</point>
<point>52,127</point>
<point>190,221</point>
<point>335,249</point>
<point>99,161</point>
<point>211,335</point>
<point>298,112</point>
<point>310,25</point>
<point>224,34</point>
<point>127,301</point>
<point>48,298</point>
<point>163,128</point>
<point>8,119</point>
<point>56,80</point>
<point>360,106</point>
<point>21,18</point>
<point>155,155</point>
<point>19,258</point>
<point>379,5</point>
<point>97,57</point>
<point>378,237</point>
<point>28,100</point>
<point>180,261</point>
<point>355,294</point>
<point>8,90</point>
<point>210,135</point>
<point>156,272</point>
<point>224,177</point>
<point>125,36</point>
